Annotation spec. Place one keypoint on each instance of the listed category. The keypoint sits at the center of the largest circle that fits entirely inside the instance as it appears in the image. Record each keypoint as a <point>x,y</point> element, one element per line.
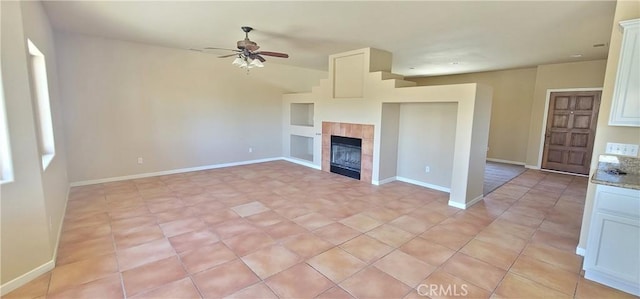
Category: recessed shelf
<point>302,114</point>
<point>302,147</point>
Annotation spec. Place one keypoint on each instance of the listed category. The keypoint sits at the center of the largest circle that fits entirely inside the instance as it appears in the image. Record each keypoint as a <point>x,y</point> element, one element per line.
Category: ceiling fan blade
<point>273,54</point>
<point>256,56</point>
<point>214,48</point>
<point>229,55</point>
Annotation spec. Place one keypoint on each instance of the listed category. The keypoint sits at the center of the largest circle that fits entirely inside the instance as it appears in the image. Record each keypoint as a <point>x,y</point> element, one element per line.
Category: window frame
<point>42,104</point>
<point>6,163</point>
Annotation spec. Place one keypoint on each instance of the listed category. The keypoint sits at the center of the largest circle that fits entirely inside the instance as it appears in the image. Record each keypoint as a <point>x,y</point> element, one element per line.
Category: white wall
<point>32,206</point>
<point>174,108</point>
<point>427,138</point>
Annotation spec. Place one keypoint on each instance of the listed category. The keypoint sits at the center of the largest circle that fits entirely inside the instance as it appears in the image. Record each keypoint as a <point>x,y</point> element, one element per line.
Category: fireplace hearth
<point>346,155</point>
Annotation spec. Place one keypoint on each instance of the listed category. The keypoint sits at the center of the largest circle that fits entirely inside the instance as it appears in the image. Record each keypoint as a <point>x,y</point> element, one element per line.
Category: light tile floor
<point>281,230</point>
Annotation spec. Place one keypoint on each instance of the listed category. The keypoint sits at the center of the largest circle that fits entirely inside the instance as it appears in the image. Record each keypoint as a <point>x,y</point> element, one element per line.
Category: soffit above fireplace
<point>347,71</point>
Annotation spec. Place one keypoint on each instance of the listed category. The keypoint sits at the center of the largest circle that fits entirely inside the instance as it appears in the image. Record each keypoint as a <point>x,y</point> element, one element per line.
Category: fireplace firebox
<point>346,156</point>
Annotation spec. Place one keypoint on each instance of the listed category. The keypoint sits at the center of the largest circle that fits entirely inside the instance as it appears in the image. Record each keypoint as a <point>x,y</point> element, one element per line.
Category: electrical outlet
<point>140,160</point>
<point>622,149</point>
<point>427,169</point>
<point>251,149</point>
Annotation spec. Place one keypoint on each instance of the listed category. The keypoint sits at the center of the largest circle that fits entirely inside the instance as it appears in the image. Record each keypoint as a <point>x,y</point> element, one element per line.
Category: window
<point>6,169</point>
<point>42,107</point>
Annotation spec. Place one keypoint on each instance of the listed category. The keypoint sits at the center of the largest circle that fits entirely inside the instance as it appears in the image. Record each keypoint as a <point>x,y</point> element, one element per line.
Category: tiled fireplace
<point>357,131</point>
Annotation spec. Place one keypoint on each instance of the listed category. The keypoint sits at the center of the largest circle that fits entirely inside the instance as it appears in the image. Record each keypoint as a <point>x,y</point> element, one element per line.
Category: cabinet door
<point>625,109</point>
<point>614,246</point>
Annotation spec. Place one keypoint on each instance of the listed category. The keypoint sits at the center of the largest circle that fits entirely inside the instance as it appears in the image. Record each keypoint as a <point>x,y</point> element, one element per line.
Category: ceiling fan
<point>247,53</point>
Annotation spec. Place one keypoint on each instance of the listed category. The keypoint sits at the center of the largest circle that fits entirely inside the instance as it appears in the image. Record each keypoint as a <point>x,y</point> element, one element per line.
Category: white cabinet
<point>625,109</point>
<point>613,250</point>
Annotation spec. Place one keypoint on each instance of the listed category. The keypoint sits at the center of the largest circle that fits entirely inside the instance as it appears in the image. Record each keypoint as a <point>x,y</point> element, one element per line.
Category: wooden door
<point>571,128</point>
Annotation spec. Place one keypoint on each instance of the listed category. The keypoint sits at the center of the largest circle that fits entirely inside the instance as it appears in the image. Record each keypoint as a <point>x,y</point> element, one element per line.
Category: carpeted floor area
<point>497,174</point>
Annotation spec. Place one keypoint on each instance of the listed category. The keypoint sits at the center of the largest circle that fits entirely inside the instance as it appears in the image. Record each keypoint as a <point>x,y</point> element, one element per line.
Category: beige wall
<point>120,101</point>
<point>587,74</point>
<point>389,138</point>
<point>174,108</point>
<point>479,137</point>
<point>510,112</point>
<point>33,204</point>
<point>519,103</point>
<point>426,138</point>
<point>55,181</point>
<point>625,10</point>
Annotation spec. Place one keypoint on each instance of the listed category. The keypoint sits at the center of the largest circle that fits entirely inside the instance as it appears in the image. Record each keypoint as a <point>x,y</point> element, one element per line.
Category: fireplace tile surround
<point>362,131</point>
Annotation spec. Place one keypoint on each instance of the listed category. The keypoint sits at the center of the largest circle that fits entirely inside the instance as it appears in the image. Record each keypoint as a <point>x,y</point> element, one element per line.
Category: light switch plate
<point>622,149</point>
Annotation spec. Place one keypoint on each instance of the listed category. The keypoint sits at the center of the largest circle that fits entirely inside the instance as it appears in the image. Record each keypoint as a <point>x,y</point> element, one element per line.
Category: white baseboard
<point>48,266</point>
<point>564,172</point>
<point>384,181</point>
<point>580,251</point>
<point>413,182</point>
<point>167,172</point>
<point>506,161</point>
<point>423,184</point>
<point>466,205</point>
<point>302,162</point>
<point>27,277</point>
<point>458,205</point>
<point>614,282</point>
<point>535,167</point>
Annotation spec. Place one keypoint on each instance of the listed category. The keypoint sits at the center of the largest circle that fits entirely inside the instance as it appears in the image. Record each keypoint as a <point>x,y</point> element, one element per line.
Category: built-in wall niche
<point>302,147</point>
<point>302,114</point>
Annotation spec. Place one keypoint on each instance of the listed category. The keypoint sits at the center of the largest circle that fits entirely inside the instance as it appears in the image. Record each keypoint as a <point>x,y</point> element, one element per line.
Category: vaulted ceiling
<point>425,37</point>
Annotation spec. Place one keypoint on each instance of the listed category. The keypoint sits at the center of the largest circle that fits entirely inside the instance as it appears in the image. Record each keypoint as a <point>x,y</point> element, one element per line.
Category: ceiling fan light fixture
<point>247,55</point>
<point>246,64</point>
<point>238,61</point>
<point>256,63</point>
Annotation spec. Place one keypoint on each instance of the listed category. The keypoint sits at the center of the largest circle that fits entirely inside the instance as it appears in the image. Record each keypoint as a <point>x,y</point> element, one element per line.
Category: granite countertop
<point>608,165</point>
